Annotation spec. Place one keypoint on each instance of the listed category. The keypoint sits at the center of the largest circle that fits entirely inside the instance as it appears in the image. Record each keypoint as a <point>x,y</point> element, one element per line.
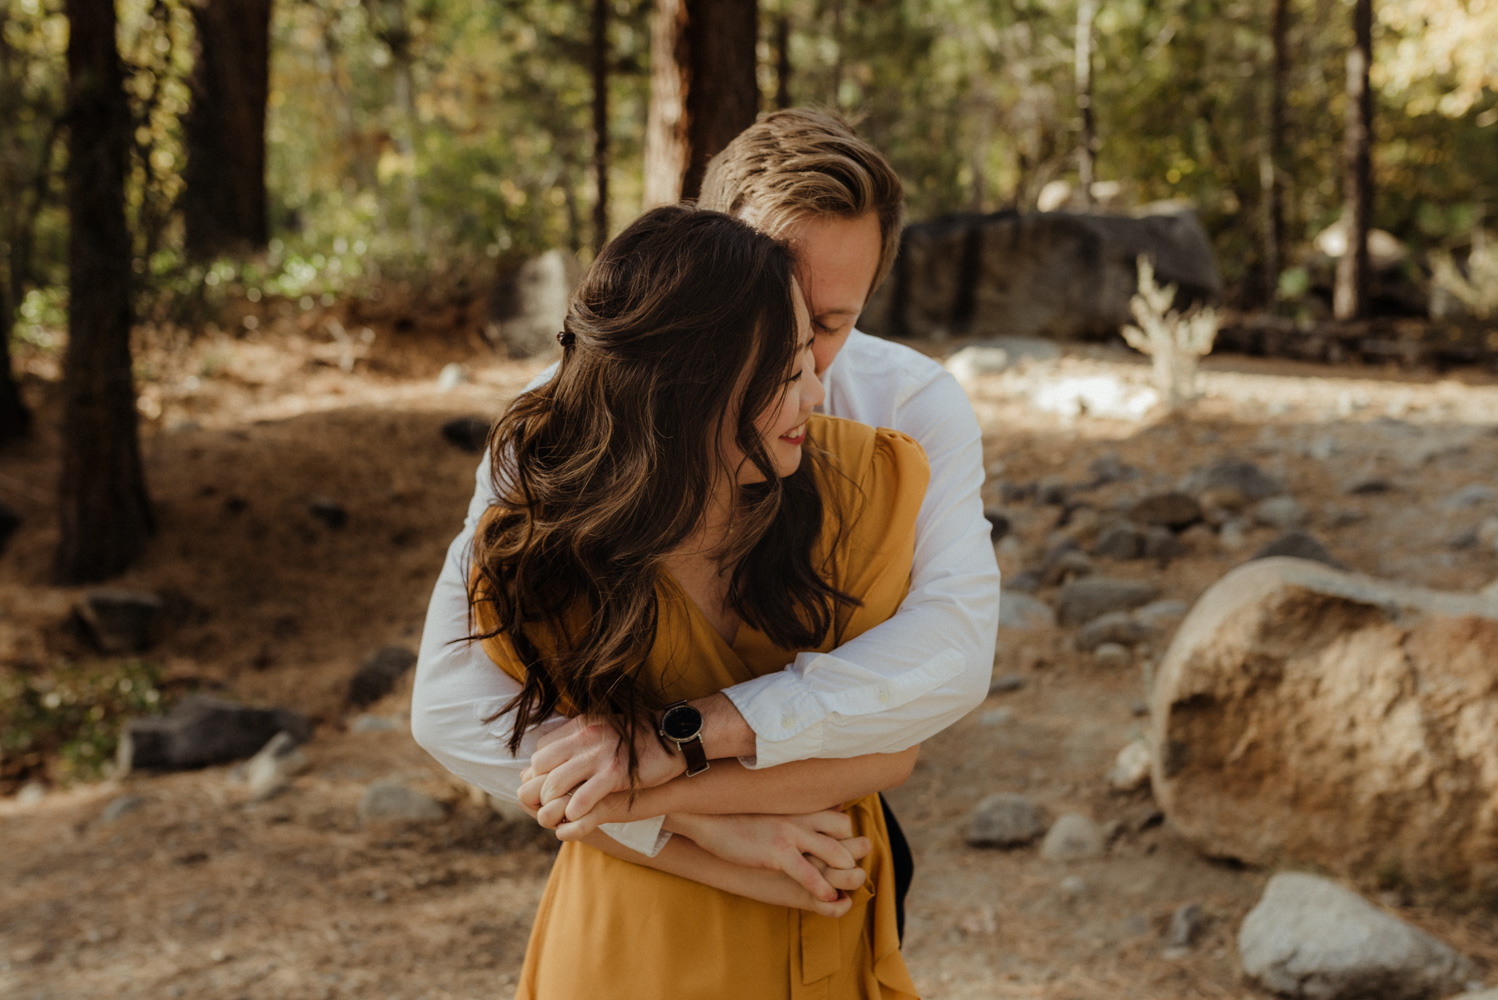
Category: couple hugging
<point>696,626</point>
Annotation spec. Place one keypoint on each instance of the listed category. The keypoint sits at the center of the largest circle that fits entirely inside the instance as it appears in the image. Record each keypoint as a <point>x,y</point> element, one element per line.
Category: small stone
<point>1160,615</point>
<point>1068,564</point>
<point>1052,491</point>
<point>1006,684</point>
<point>1163,545</point>
<point>1236,474</point>
<point>378,675</point>
<point>1199,538</point>
<point>1017,492</point>
<point>1233,534</point>
<point>1112,656</point>
<point>981,922</point>
<point>1309,937</point>
<point>1116,626</point>
<point>1466,541</point>
<point>1140,708</point>
<point>1108,469</point>
<point>1186,924</point>
<point>1282,512</point>
<point>118,807</point>
<point>1487,534</point>
<point>270,771</point>
<point>994,717</point>
<point>1073,837</point>
<point>1072,887</point>
<point>1026,581</point>
<point>998,524</point>
<point>330,512</point>
<point>367,723</point>
<point>1120,540</point>
<point>1083,600</point>
<point>468,433</point>
<point>1322,448</point>
<point>1369,487</point>
<point>1299,545</point>
<point>1471,495</point>
<point>31,793</point>
<point>121,621</point>
<point>390,801</point>
<point>1010,549</point>
<point>1167,510</point>
<point>451,376</point>
<point>1131,768</point>
<point>1018,610</point>
<point>1222,498</point>
<point>1004,820</point>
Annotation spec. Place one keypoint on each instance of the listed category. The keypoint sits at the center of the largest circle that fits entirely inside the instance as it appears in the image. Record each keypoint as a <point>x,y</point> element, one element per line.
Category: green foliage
<point>72,715</point>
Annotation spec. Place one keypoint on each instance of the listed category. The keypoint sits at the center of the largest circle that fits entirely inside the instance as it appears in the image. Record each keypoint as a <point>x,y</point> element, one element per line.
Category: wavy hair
<point>685,320</point>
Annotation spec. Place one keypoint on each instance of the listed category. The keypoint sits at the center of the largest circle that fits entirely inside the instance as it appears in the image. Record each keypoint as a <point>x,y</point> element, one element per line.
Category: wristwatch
<point>682,725</point>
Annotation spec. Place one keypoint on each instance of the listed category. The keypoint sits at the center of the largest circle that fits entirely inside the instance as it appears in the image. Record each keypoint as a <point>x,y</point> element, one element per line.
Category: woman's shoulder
<point>871,455</point>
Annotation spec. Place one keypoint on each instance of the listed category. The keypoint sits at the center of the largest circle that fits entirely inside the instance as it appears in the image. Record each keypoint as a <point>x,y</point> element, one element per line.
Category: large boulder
<point>201,731</point>
<point>527,304</point>
<point>1311,715</point>
<point>1049,274</point>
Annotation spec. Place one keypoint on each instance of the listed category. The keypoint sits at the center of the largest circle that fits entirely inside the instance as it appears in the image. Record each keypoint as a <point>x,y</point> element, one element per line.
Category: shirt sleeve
<point>910,677</point>
<point>458,688</point>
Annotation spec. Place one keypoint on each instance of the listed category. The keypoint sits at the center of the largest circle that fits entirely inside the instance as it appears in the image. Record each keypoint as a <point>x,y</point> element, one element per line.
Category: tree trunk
<point>105,513</point>
<point>703,90</point>
<point>1087,150</point>
<point>782,61</point>
<point>1350,298</point>
<point>1272,162</point>
<point>600,123</point>
<point>15,419</point>
<point>223,194</point>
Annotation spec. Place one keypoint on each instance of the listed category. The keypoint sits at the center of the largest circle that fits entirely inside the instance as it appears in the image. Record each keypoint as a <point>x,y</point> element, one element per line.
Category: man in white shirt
<point>806,177</point>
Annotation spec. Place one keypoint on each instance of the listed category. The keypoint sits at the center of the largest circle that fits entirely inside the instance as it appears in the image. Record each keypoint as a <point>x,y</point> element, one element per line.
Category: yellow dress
<point>614,930</point>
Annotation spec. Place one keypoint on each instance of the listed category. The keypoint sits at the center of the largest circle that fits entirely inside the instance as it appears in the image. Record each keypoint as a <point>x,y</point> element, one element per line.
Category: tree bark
<point>1272,162</point>
<point>1350,298</point>
<point>703,90</point>
<point>223,195</point>
<point>15,419</point>
<point>105,513</point>
<point>600,123</point>
<point>1087,150</point>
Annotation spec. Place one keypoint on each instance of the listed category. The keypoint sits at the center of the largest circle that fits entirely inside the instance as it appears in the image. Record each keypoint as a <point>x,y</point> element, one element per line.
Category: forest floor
<point>200,893</point>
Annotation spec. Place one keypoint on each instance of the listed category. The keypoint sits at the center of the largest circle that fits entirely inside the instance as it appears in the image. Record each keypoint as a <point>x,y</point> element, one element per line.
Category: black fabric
<point>899,850</point>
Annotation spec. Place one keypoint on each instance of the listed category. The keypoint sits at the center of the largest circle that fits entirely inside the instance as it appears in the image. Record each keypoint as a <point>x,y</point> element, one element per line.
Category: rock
<point>1233,535</point>
<point>121,621</point>
<point>120,806</point>
<point>1466,541</point>
<point>1009,548</point>
<point>468,433</point>
<point>378,675</point>
<point>390,801</point>
<point>201,731</point>
<point>1236,474</point>
<point>1006,684</point>
<point>1026,581</point>
<point>1052,491</point>
<point>330,512</point>
<point>1108,469</point>
<point>1157,616</point>
<point>1168,510</point>
<point>1090,597</point>
<point>1309,937</point>
<point>1021,611</point>
<point>971,362</point>
<point>31,793</point>
<point>10,523</point>
<point>1073,887</point>
<point>1115,626</point>
<point>998,524</point>
<point>373,724</point>
<point>1103,396</point>
<point>1073,837</point>
<point>1063,565</point>
<point>1004,820</point>
<point>994,717</point>
<point>1052,275</point>
<point>1120,540</point>
<point>1112,656</point>
<point>1023,350</point>
<point>451,376</point>
<point>1310,715</point>
<point>1487,534</point>
<point>1369,487</point>
<point>1471,495</point>
<point>1131,768</point>
<point>1219,500</point>
<point>1283,512</point>
<point>1298,545</point>
<point>528,304</point>
<point>1163,545</point>
<point>271,769</point>
<point>1186,925</point>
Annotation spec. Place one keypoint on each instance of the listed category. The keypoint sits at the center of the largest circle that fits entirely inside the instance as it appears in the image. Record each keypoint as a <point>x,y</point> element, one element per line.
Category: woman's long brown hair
<point>685,320</point>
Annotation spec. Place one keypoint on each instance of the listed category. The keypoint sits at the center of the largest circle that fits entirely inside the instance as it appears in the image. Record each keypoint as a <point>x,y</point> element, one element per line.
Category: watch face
<point>681,723</point>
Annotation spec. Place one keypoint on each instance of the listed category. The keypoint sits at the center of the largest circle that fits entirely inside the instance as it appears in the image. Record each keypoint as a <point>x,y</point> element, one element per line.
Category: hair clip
<point>566,338</point>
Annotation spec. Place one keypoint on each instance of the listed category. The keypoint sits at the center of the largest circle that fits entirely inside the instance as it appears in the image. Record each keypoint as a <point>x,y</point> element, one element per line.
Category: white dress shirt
<point>887,690</point>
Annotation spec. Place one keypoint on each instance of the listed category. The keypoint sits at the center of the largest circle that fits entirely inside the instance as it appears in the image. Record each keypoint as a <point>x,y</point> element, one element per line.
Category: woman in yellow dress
<point>673,519</point>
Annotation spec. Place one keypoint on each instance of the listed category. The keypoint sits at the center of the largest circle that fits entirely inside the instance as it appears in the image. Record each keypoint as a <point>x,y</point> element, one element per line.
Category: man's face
<point>839,258</point>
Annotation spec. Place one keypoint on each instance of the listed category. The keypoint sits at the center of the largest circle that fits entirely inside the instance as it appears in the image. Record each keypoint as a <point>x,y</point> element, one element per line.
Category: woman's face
<point>782,425</point>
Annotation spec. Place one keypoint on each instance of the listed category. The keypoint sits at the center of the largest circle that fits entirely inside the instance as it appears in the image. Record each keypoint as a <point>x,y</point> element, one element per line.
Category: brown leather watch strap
<point>696,756</point>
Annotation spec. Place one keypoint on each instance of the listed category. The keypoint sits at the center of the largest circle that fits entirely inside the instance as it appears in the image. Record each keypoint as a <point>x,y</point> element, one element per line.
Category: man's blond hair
<point>804,162</point>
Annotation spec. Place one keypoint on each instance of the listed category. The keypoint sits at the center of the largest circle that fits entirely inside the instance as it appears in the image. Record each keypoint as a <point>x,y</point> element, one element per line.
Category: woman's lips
<point>794,436</point>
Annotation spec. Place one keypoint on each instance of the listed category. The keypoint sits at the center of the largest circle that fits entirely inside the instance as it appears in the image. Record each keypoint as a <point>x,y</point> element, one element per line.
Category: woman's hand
<point>818,851</point>
<point>586,759</point>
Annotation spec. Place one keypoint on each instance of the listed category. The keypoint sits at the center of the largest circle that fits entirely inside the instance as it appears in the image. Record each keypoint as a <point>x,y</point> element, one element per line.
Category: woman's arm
<point>683,858</point>
<point>804,786</point>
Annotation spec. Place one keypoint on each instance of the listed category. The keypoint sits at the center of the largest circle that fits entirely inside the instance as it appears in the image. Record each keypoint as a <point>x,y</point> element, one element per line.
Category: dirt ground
<point>200,893</point>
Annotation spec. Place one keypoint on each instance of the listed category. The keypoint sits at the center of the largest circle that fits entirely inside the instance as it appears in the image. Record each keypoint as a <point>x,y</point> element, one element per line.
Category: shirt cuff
<point>643,836</point>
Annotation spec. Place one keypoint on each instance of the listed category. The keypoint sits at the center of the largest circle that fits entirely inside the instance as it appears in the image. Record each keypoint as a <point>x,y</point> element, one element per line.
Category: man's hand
<point>817,850</point>
<point>586,757</point>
